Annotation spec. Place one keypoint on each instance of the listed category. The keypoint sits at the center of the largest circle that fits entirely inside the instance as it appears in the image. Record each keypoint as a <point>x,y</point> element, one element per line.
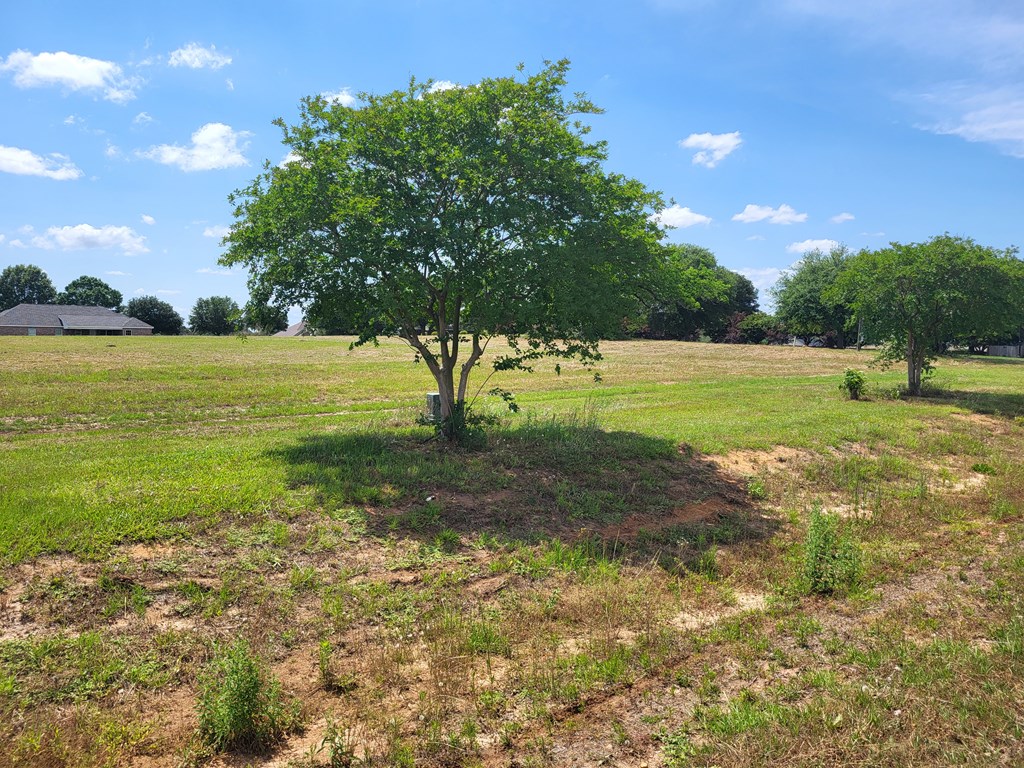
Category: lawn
<point>617,573</point>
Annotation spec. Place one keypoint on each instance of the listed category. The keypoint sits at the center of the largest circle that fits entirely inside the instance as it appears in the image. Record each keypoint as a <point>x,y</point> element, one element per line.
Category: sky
<point>771,127</point>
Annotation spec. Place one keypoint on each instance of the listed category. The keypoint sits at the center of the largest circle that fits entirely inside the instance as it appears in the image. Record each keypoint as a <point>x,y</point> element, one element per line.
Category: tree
<point>264,318</point>
<point>804,303</point>
<point>720,293</point>
<point>449,217</point>
<point>920,296</point>
<point>25,284</point>
<point>89,291</point>
<point>161,315</point>
<point>215,316</point>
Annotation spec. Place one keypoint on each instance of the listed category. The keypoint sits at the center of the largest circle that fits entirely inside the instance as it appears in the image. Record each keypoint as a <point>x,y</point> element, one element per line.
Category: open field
<point>616,577</point>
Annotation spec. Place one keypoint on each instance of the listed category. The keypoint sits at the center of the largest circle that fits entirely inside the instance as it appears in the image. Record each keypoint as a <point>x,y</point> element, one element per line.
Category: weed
<point>832,561</point>
<point>853,383</point>
<point>240,703</point>
<point>983,469</point>
<point>756,489</point>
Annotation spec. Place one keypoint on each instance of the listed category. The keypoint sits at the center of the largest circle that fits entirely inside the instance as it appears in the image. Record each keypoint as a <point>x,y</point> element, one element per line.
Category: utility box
<point>434,407</point>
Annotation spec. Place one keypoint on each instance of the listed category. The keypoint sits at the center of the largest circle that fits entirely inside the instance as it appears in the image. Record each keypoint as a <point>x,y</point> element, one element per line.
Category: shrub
<point>240,704</point>
<point>854,383</point>
<point>832,561</point>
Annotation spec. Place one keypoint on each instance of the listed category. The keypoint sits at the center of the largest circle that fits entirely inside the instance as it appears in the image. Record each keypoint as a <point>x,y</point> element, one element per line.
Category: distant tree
<point>451,217</point>
<point>25,284</point>
<point>89,291</point>
<point>161,315</point>
<point>264,318</point>
<point>718,294</point>
<point>215,316</point>
<point>918,297</point>
<point>754,328</point>
<point>805,303</point>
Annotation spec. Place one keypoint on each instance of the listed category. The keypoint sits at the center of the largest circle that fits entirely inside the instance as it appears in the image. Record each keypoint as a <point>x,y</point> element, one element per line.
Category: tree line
<point>215,315</point>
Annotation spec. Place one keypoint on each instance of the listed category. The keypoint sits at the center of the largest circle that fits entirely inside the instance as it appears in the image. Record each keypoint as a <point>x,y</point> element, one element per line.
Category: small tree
<point>264,318</point>
<point>25,284</point>
<point>215,316</point>
<point>917,298</point>
<point>449,217</point>
<point>161,315</point>
<point>89,291</point>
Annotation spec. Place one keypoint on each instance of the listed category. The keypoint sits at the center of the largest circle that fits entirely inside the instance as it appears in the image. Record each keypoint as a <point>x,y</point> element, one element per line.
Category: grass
<point>627,570</point>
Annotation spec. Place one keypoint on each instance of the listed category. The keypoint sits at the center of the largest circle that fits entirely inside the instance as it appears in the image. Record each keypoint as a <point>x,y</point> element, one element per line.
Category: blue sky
<point>772,126</point>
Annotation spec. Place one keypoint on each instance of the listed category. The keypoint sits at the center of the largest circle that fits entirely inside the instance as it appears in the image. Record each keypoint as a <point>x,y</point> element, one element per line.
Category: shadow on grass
<point>1008,405</point>
<point>629,494</point>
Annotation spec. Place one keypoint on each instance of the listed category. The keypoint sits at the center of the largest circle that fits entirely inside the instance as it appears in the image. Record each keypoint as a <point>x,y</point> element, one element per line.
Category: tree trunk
<point>915,365</point>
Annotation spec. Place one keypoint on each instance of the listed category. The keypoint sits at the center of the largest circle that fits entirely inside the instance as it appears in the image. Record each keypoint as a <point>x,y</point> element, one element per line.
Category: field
<point>708,557</point>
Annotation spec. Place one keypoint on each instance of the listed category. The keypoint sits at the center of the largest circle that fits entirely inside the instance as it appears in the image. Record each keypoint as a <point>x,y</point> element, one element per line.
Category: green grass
<point>598,556</point>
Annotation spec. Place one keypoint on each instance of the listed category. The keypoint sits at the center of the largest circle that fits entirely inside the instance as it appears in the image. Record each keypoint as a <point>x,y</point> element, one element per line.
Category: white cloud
<point>23,162</point>
<point>442,85</point>
<point>194,56</point>
<point>214,146</point>
<point>761,277</point>
<point>812,245</point>
<point>142,118</point>
<point>2,238</point>
<point>208,271</point>
<point>756,237</point>
<point>72,120</point>
<point>980,114</point>
<point>679,217</point>
<point>87,237</point>
<point>16,243</point>
<point>216,231</point>
<point>345,97</point>
<point>147,219</point>
<point>784,214</point>
<point>714,147</point>
<point>229,83</point>
<point>112,151</point>
<point>68,70</point>
<point>841,217</point>
<point>118,273</point>
<point>291,157</point>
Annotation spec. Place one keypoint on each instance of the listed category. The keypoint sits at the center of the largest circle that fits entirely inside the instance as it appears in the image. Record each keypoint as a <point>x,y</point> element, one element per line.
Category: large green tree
<point>449,217</point>
<point>717,294</point>
<point>87,291</point>
<point>161,315</point>
<point>917,297</point>
<point>805,302</point>
<point>215,316</point>
<point>25,284</point>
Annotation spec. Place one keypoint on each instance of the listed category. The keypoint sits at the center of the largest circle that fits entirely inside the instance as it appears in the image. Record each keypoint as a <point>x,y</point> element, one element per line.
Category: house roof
<point>68,316</point>
<point>296,329</point>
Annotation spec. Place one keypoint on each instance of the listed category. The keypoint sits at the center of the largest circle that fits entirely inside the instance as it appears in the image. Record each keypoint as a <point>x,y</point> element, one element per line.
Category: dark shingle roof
<point>67,316</point>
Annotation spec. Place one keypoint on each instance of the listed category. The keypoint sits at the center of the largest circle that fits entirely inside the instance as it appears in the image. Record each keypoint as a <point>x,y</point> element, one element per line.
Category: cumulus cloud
<point>214,146</point>
<point>761,277</point>
<point>714,147</point>
<point>147,219</point>
<point>442,85</point>
<point>839,218</point>
<point>194,56</point>
<point>112,151</point>
<point>87,237</point>
<point>677,216</point>
<point>70,71</point>
<point>216,231</point>
<point>16,243</point>
<point>142,118</point>
<point>23,162</point>
<point>804,246</point>
<point>784,214</point>
<point>345,97</point>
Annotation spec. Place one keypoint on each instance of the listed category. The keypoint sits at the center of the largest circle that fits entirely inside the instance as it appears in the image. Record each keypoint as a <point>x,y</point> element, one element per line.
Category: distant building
<point>69,320</point>
<point>1006,350</point>
<point>297,329</point>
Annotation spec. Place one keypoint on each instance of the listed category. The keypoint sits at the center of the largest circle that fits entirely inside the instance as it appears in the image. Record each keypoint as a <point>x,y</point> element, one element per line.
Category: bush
<point>832,561</point>
<point>854,383</point>
<point>240,704</point>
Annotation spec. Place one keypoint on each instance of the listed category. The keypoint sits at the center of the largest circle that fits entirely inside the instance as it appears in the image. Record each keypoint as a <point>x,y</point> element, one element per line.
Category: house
<point>69,320</point>
<point>296,329</point>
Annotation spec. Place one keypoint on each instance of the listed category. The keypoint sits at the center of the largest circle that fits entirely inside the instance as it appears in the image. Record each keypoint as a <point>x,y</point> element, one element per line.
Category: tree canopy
<point>917,297</point>
<point>25,284</point>
<point>215,316</point>
<point>450,216</point>
<point>161,315</point>
<point>805,303</point>
<point>89,291</point>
